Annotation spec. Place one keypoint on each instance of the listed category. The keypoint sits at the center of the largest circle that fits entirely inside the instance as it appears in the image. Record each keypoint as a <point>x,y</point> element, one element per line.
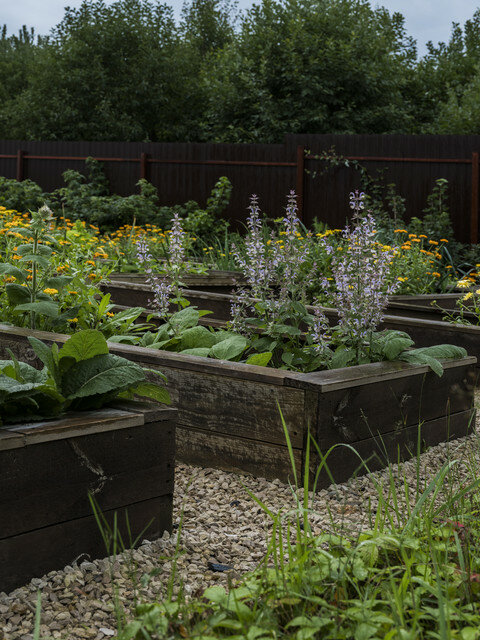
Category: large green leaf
<point>43,308</point>
<point>17,294</point>
<point>58,282</point>
<point>260,359</point>
<point>197,337</point>
<point>42,262</point>
<point>431,355</point>
<point>199,351</point>
<point>27,250</point>
<point>46,355</point>
<point>84,345</point>
<point>27,372</point>
<point>99,375</point>
<point>10,270</point>
<point>392,343</point>
<point>229,348</point>
<point>184,319</point>
<point>153,391</point>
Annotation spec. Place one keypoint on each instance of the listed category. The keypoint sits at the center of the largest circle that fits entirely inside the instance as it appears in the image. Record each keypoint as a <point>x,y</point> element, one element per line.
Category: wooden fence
<point>188,171</point>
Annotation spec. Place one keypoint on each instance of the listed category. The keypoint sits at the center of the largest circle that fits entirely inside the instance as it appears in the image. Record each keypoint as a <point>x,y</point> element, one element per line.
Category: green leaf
<point>84,345</point>
<point>204,352</point>
<point>184,319</point>
<point>341,358</point>
<point>100,375</point>
<point>40,260</point>
<point>44,353</point>
<point>10,270</point>
<point>393,343</point>
<point>229,348</point>
<point>17,294</point>
<point>153,391</point>
<point>196,337</point>
<point>431,356</point>
<point>58,282</point>
<point>260,359</point>
<point>43,308</point>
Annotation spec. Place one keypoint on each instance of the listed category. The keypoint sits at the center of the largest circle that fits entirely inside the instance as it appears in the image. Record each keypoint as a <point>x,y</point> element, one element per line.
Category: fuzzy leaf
<point>17,294</point>
<point>229,348</point>
<point>100,375</point>
<point>84,345</point>
<point>260,359</point>
<point>196,337</point>
<point>153,391</point>
<point>204,352</point>
<point>43,308</point>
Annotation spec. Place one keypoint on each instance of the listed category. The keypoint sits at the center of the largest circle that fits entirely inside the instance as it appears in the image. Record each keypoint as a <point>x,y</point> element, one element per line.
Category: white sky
<point>425,19</point>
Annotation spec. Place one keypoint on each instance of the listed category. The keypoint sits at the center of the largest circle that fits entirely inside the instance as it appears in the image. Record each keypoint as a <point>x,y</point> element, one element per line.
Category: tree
<point>317,66</point>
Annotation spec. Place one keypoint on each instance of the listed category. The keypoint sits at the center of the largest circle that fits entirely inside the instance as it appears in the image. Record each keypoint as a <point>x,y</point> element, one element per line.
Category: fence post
<point>143,165</point>
<point>474,210</point>
<point>20,164</point>
<point>300,179</point>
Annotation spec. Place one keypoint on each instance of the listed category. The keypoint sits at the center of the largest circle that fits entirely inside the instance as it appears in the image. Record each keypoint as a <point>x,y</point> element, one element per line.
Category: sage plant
<point>360,271</point>
<point>166,291</point>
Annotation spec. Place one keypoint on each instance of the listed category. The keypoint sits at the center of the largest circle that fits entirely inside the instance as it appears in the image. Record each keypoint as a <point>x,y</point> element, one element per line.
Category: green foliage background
<point>128,71</point>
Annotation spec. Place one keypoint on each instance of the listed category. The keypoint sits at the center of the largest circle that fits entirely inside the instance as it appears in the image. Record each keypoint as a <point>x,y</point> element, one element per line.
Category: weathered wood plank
<point>236,407</point>
<point>391,447</point>
<point>355,413</point>
<point>367,374</point>
<point>35,553</point>
<point>75,424</point>
<point>241,455</point>
<point>49,482</point>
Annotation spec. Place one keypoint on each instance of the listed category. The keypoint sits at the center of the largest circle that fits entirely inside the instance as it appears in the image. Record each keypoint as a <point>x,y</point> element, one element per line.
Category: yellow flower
<point>110,314</point>
<point>463,284</point>
<point>50,291</point>
<point>72,320</point>
<point>399,231</point>
<point>467,296</point>
<point>436,274</point>
<point>443,240</point>
<point>73,293</point>
<point>92,276</point>
<point>432,242</point>
<point>422,235</point>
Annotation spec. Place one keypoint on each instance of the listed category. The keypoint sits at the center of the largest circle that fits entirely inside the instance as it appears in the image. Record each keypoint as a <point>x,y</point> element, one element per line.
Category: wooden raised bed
<point>215,281</point>
<point>122,456</point>
<point>228,413</point>
<point>425,325</point>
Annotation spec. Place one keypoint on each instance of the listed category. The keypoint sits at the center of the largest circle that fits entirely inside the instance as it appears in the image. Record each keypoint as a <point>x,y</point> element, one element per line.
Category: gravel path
<point>221,524</point>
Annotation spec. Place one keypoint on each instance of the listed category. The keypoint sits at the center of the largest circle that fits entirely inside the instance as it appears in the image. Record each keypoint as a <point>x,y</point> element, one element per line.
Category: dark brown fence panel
<point>326,196</point>
<point>185,171</point>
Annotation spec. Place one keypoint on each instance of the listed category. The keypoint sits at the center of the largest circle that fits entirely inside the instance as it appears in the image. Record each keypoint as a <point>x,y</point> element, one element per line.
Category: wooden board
<point>32,554</point>
<point>241,455</point>
<point>378,450</point>
<point>229,412</point>
<point>47,483</point>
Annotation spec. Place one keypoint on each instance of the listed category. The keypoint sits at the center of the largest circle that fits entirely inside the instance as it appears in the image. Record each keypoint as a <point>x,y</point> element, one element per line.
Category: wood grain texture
<point>241,455</point>
<point>33,554</point>
<point>377,451</point>
<point>49,482</point>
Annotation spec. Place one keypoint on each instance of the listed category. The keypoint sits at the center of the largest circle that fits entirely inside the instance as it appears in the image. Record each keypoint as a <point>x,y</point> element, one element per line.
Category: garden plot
<point>229,412</point>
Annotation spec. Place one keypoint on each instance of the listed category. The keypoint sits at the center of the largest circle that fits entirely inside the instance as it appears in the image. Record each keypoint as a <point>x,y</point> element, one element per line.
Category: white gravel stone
<point>220,524</point>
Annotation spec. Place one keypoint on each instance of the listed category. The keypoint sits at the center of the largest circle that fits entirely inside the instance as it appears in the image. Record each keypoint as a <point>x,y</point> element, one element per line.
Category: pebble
<point>220,525</point>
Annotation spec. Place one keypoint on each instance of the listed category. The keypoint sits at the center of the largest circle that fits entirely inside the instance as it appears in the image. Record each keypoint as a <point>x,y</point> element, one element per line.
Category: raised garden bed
<point>123,456</point>
<point>228,413</point>
<point>425,327</point>
<point>213,281</point>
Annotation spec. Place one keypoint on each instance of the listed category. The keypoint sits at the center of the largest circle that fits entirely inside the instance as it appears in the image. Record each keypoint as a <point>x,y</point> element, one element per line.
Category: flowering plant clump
<point>360,274</point>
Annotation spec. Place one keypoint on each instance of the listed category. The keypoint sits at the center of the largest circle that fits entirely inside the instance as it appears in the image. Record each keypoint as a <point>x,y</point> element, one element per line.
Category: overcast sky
<point>425,19</point>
